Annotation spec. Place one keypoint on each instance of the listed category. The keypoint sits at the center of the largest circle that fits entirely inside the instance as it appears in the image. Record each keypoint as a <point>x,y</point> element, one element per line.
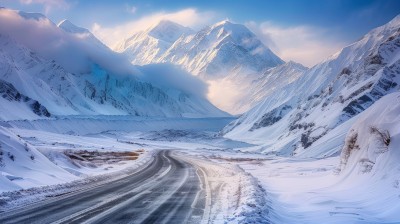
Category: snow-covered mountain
<point>65,70</point>
<point>311,115</point>
<point>226,55</point>
<point>16,105</point>
<point>83,33</point>
<point>269,81</point>
<point>146,47</point>
<point>211,52</point>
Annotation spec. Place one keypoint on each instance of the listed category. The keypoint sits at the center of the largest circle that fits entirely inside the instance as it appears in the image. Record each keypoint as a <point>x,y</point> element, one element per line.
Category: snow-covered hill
<point>372,143</point>
<point>22,165</point>
<point>226,55</point>
<point>69,72</point>
<point>316,110</point>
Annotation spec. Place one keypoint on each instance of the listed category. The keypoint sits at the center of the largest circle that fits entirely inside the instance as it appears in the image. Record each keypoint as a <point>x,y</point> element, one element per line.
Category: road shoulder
<point>232,195</point>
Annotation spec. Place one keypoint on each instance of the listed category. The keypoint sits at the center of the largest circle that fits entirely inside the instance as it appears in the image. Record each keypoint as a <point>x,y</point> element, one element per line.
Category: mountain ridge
<point>325,99</point>
<point>221,53</point>
<point>95,88</point>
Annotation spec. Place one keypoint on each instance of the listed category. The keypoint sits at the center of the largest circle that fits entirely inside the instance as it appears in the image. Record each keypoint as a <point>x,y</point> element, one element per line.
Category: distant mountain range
<point>288,109</point>
<point>226,55</point>
<point>72,73</point>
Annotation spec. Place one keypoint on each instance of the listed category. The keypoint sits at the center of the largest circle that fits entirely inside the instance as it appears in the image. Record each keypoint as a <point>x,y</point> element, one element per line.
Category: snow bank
<point>13,199</point>
<point>232,195</point>
<point>367,188</point>
<point>23,166</point>
<point>369,161</point>
<point>373,141</point>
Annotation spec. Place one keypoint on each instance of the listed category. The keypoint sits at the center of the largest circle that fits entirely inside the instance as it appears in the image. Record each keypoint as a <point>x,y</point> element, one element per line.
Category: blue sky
<point>306,31</point>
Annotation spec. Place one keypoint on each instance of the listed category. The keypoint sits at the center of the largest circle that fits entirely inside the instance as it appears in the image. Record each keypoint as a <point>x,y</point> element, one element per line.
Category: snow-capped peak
<point>82,33</point>
<point>235,30</point>
<point>240,35</point>
<point>80,77</point>
<point>67,26</point>
<point>168,31</point>
<point>299,117</point>
<point>27,15</point>
<point>294,64</point>
<point>224,50</point>
<point>230,26</point>
<point>222,23</point>
<point>32,15</point>
<point>395,22</point>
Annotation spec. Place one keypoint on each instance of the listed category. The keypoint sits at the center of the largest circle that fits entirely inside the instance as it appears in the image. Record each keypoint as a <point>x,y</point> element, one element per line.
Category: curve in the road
<point>164,192</point>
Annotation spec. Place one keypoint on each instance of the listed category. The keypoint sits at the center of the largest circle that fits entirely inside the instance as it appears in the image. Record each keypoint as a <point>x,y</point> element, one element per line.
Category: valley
<point>175,124</point>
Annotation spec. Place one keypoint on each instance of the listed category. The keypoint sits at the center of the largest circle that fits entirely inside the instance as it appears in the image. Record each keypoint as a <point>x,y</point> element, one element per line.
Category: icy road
<point>167,190</point>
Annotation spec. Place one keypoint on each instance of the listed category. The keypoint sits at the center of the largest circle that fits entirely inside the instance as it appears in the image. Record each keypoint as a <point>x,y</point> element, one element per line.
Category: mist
<point>171,76</point>
<point>77,53</point>
<point>74,52</point>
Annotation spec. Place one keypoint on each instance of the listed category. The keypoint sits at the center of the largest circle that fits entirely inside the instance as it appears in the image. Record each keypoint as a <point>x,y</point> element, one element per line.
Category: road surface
<point>167,190</point>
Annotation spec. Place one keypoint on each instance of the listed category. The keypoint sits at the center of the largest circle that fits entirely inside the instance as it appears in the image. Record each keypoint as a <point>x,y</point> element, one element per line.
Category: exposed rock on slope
<point>298,114</point>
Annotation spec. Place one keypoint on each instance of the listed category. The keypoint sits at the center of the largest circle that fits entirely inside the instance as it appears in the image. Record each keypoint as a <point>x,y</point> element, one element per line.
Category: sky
<point>305,31</point>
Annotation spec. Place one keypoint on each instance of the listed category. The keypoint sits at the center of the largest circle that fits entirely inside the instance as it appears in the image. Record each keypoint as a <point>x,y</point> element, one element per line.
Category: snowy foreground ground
<point>241,186</point>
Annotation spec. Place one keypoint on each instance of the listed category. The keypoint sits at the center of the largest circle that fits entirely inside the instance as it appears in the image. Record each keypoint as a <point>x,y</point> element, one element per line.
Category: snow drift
<point>24,166</point>
<point>373,141</point>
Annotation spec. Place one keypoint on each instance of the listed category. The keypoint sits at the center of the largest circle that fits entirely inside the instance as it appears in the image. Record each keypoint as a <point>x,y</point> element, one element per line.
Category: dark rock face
<point>8,92</point>
<point>272,117</point>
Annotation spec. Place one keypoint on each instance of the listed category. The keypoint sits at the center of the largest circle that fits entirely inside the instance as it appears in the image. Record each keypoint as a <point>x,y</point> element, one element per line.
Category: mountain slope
<point>219,50</point>
<point>301,114</point>
<point>226,55</point>
<point>146,47</point>
<point>69,27</point>
<point>72,75</point>
<point>16,105</point>
<point>372,142</point>
<point>22,165</point>
<point>267,83</point>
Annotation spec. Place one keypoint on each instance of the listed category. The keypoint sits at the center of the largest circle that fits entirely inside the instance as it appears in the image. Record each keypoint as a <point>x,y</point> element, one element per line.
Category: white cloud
<point>186,17</point>
<point>74,52</point>
<point>305,44</point>
<point>173,77</point>
<point>131,9</point>
<point>48,4</point>
<point>224,94</point>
